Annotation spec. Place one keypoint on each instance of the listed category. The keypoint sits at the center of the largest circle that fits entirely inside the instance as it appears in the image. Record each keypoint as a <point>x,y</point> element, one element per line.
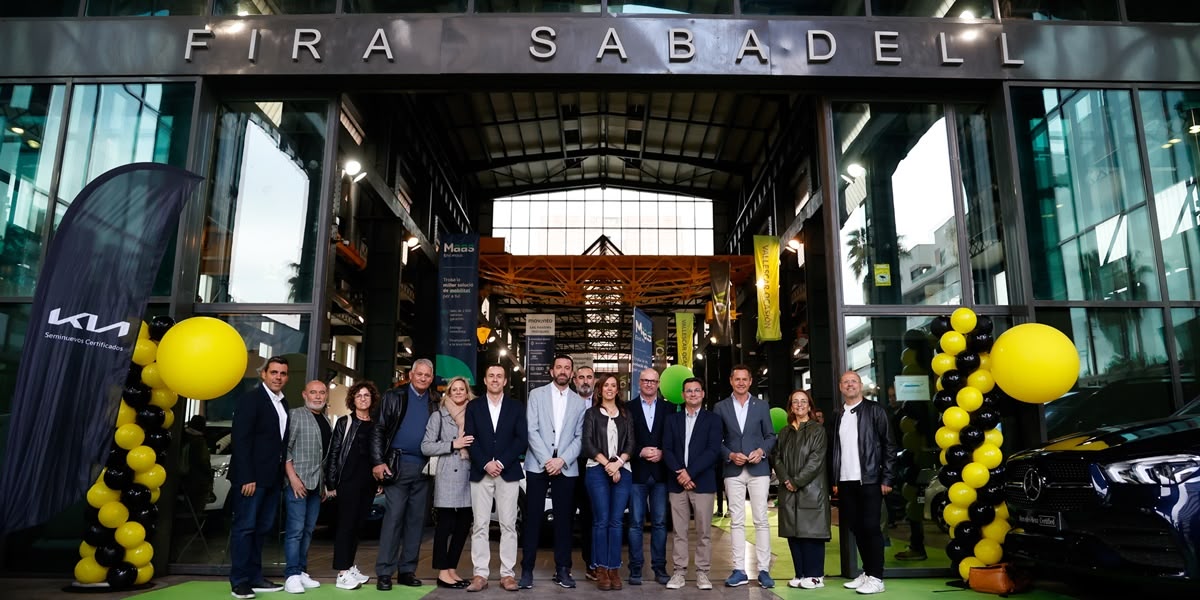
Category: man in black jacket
<point>403,413</point>
<point>864,464</point>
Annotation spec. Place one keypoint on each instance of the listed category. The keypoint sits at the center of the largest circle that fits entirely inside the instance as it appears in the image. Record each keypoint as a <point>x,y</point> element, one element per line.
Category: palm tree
<point>860,253</point>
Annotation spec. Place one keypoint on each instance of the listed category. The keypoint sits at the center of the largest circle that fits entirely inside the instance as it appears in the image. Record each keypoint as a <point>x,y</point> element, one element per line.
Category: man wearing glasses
<point>649,415</point>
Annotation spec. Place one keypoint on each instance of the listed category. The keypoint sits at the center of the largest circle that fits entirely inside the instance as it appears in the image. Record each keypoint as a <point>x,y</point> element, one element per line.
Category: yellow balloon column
<point>202,358</point>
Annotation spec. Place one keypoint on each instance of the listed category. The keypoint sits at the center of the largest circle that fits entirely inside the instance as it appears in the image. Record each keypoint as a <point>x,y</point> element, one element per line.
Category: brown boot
<point>614,578</point>
<point>603,581</point>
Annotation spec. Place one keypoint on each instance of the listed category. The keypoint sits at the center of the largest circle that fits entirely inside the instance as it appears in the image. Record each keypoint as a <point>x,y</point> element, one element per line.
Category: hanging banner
<point>661,327</point>
<point>684,347</point>
<point>720,306</point>
<point>88,306</point>
<point>458,286</point>
<point>539,350</point>
<point>766,271</point>
<point>643,343</point>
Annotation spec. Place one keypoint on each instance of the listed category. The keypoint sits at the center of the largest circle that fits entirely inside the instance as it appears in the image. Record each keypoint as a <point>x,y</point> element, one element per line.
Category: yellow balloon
<point>88,571</point>
<point>86,550</point>
<point>975,475</point>
<point>145,574</point>
<point>942,362</point>
<point>981,380</point>
<point>953,342</point>
<point>141,458</point>
<point>1002,512</point>
<point>202,358</point>
<point>938,385</point>
<point>163,397</point>
<point>996,530</point>
<point>969,399</point>
<point>963,320</point>
<point>988,551</point>
<point>955,418</point>
<point>945,437</point>
<point>908,358</point>
<point>152,478</point>
<point>99,494</point>
<point>955,514</point>
<point>143,352</point>
<point>985,361</point>
<point>1034,363</point>
<point>942,457</point>
<point>994,437</point>
<point>129,436</point>
<point>143,331</point>
<point>139,555</point>
<point>125,414</point>
<point>968,563</point>
<point>113,515</point>
<point>130,534</point>
<point>154,494</point>
<point>961,494</point>
<point>168,418</point>
<point>988,455</point>
<point>150,376</point>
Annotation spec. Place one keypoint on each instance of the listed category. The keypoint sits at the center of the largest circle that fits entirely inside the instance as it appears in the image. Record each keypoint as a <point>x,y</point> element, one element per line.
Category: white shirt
<point>851,467</point>
<point>740,411</point>
<point>277,402</point>
<point>494,411</point>
<point>689,423</point>
<point>558,402</point>
<point>613,441</point>
<point>648,411</point>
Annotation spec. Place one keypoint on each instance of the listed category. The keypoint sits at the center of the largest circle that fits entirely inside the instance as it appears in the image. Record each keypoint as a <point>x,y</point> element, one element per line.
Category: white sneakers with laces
<point>359,575</point>
<point>347,581</point>
<point>812,583</point>
<point>855,583</point>
<point>293,585</point>
<point>308,582</point>
<point>873,585</point>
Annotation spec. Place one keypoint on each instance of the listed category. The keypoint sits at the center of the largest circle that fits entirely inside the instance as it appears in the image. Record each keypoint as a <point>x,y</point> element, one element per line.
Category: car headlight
<point>1172,469</point>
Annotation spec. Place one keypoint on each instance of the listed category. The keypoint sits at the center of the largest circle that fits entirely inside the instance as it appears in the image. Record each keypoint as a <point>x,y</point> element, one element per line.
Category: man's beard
<point>585,390</point>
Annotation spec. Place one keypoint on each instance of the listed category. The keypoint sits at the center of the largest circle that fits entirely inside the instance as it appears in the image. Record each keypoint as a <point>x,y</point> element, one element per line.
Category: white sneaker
<point>346,580</point>
<point>677,581</point>
<point>857,582</point>
<point>812,583</point>
<point>702,581</point>
<point>873,585</point>
<point>794,583</point>
<point>294,585</point>
<point>358,575</point>
<point>308,582</point>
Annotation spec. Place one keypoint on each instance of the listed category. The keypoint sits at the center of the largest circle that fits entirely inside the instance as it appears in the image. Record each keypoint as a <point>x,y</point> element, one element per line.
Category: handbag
<point>1000,578</point>
<point>431,466</point>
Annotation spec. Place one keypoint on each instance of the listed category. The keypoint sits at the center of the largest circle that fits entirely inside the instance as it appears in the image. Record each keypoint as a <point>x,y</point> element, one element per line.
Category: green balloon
<point>778,418</point>
<point>671,383</point>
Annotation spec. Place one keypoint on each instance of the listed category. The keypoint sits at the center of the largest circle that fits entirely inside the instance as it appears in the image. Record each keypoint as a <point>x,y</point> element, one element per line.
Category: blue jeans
<point>655,494</point>
<point>301,515</point>
<point>608,513</point>
<point>253,521</point>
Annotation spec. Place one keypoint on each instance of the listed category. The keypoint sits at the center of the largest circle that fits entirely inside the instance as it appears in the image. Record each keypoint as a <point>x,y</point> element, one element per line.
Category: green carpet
<point>904,588</point>
<point>207,590</point>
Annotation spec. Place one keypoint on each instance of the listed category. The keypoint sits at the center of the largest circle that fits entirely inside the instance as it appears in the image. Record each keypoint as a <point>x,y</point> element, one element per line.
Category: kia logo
<point>1032,484</point>
<point>87,322</point>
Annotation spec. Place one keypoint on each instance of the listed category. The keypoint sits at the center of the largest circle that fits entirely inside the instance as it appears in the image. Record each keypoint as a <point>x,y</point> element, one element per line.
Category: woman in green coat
<point>803,491</point>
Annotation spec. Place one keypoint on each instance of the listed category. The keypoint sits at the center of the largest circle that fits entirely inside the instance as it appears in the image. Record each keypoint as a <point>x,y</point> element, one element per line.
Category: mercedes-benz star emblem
<point>1032,484</point>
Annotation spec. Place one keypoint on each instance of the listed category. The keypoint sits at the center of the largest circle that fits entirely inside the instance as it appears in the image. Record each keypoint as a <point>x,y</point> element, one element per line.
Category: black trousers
<point>450,535</point>
<point>859,510</point>
<point>562,494</point>
<point>584,504</point>
<point>356,492</point>
<point>808,556</point>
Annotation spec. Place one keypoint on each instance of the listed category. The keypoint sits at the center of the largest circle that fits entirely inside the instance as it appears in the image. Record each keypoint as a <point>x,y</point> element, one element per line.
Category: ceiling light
<point>413,241</point>
<point>1166,146</point>
<point>516,368</point>
<point>699,356</point>
<point>352,167</point>
<point>1194,129</point>
<point>33,144</point>
<point>359,177</point>
<point>966,14</point>
<point>1174,141</point>
<point>243,13</point>
<point>17,130</point>
<point>713,339</point>
<point>793,244</point>
<point>855,170</point>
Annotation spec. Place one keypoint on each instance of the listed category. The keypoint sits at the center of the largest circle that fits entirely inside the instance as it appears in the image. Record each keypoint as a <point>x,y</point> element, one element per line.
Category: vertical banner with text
<point>766,272</point>
<point>720,306</point>
<point>661,328</point>
<point>684,344</point>
<point>539,350</point>
<point>643,345</point>
<point>458,285</point>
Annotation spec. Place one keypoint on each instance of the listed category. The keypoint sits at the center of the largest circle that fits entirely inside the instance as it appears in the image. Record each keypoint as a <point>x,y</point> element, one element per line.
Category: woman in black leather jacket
<point>348,478</point>
<point>607,445</point>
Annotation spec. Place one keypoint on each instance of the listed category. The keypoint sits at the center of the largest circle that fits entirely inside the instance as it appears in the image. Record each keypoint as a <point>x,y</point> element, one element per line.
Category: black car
<point>1120,500</point>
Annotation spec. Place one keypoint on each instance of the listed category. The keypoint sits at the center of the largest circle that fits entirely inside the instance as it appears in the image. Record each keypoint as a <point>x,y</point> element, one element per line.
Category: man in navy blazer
<point>691,447</point>
<point>256,477</point>
<point>648,412</point>
<point>748,439</point>
<point>498,426</point>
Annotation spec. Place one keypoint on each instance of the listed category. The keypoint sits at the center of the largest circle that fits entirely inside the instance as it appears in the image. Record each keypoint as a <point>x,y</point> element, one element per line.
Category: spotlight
<point>17,130</point>
<point>352,167</point>
<point>413,241</point>
<point>855,170</point>
<point>359,177</point>
<point>504,352</point>
<point>699,356</point>
<point>793,244</point>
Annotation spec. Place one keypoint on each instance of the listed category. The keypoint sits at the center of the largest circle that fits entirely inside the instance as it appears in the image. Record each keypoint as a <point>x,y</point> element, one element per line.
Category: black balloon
<point>991,400</point>
<point>985,418</point>
<point>159,325</point>
<point>992,493</point>
<point>162,457</point>
<point>137,396</point>
<point>98,535</point>
<point>116,457</point>
<point>968,532</point>
<point>949,476</point>
<point>915,339</point>
<point>122,576</point>
<point>118,477</point>
<point>151,417</point>
<point>941,401</point>
<point>967,362</point>
<point>146,515</point>
<point>980,342</point>
<point>957,549</point>
<point>970,436</point>
<point>136,497</point>
<point>997,474</point>
<point>151,529</point>
<point>981,513</point>
<point>158,439</point>
<point>940,326</point>
<point>982,325</point>
<point>134,376</point>
<point>91,514</point>
<point>953,380</point>
<point>957,456</point>
<point>110,555</point>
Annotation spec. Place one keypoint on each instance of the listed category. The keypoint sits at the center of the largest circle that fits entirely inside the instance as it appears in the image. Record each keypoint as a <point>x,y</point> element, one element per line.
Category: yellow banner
<point>684,351</point>
<point>766,271</point>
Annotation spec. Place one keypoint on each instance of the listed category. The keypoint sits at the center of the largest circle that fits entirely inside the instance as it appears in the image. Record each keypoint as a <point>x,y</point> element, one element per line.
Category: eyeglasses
<point>363,395</point>
<point>649,381</point>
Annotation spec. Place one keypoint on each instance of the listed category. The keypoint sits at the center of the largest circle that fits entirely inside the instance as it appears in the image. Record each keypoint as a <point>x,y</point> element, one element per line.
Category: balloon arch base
<point>104,588</point>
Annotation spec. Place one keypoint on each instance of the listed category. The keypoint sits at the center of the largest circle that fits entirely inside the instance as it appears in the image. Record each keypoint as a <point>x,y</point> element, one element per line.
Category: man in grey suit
<point>747,441</point>
<point>308,440</point>
<point>554,416</point>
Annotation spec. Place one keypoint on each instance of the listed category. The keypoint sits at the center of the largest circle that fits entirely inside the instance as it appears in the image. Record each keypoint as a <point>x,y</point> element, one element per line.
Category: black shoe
<point>635,576</point>
<point>242,591</point>
<point>457,585</point>
<point>266,586</point>
<point>661,577</point>
<point>383,583</point>
<point>563,578</point>
<point>408,579</point>
<point>526,582</point>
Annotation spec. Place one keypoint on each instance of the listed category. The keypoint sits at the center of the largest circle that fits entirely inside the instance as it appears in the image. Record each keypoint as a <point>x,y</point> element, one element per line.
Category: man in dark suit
<point>649,415</point>
<point>501,436</point>
<point>692,442</point>
<point>256,477</point>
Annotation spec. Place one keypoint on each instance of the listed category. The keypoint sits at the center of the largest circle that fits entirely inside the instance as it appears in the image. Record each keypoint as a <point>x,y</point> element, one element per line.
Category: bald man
<point>648,411</point>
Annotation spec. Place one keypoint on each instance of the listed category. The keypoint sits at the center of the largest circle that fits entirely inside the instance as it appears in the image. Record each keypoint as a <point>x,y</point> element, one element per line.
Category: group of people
<point>580,444</point>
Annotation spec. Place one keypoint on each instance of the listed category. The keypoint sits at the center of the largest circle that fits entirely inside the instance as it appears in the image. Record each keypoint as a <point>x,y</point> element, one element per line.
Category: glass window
<point>44,8</point>
<point>537,6</point>
<point>1163,12</point>
<point>275,7</point>
<point>962,9</point>
<point>1081,182</point>
<point>1186,322</point>
<point>985,233</point>
<point>259,240</point>
<point>681,7</point>
<point>818,8</point>
<point>30,117</point>
<point>1047,10</point>
<point>144,8</point>
<point>898,233</point>
<point>1171,122</point>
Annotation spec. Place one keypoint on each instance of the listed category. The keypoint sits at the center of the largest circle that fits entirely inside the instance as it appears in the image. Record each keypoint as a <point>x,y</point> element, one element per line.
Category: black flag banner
<point>720,304</point>
<point>87,309</point>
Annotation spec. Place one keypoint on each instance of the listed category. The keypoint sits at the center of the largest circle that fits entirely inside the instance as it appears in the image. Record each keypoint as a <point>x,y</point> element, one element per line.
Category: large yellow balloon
<point>125,414</point>
<point>150,376</point>
<point>139,555</point>
<point>996,530</point>
<point>956,418</point>
<point>130,534</point>
<point>88,571</point>
<point>163,397</point>
<point>129,436</point>
<point>953,343</point>
<point>1034,363</point>
<point>145,574</point>
<point>961,494</point>
<point>969,399</point>
<point>981,380</point>
<point>942,362</point>
<point>955,514</point>
<point>963,320</point>
<point>1002,512</point>
<point>945,437</point>
<point>144,352</point>
<point>988,551</point>
<point>143,331</point>
<point>968,563</point>
<point>113,515</point>
<point>988,455</point>
<point>975,475</point>
<point>152,478</point>
<point>202,358</point>
<point>994,437</point>
<point>141,458</point>
<point>99,494</point>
